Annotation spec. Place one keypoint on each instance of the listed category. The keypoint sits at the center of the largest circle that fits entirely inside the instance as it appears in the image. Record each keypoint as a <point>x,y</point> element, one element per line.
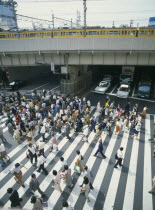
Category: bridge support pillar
<point>77,80</point>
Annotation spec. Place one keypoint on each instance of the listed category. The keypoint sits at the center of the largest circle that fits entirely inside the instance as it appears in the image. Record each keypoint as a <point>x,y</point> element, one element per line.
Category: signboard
<point>152,21</point>
<point>52,67</point>
<point>64,70</point>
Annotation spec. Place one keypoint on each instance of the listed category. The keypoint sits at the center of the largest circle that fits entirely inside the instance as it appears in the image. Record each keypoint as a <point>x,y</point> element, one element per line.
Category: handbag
<point>77,169</point>
<point>45,204</point>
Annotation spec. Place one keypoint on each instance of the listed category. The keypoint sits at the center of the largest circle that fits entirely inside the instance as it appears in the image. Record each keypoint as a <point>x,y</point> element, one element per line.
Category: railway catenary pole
<point>53,20</point>
<point>85,23</point>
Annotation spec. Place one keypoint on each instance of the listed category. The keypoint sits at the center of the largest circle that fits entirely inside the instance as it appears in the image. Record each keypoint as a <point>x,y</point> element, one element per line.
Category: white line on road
<point>147,179</point>
<point>142,99</point>
<point>55,87</point>
<point>39,87</point>
<point>114,88</point>
<point>133,91</point>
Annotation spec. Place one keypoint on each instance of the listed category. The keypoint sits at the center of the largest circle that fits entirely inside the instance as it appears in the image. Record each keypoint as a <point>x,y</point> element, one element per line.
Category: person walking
<point>18,173</point>
<point>63,163</point>
<point>152,191</point>
<point>68,177</point>
<point>118,127</point>
<point>40,164</point>
<point>79,158</point>
<point>67,206</point>
<point>86,188</point>
<point>86,173</point>
<point>67,131</point>
<point>100,149</point>
<point>127,109</point>
<point>53,141</point>
<point>37,203</point>
<point>41,146</point>
<point>57,180</point>
<point>93,124</point>
<point>34,185</point>
<point>32,153</point>
<point>2,154</point>
<point>14,198</point>
<point>85,133</point>
<point>3,139</point>
<point>119,157</point>
<point>10,128</point>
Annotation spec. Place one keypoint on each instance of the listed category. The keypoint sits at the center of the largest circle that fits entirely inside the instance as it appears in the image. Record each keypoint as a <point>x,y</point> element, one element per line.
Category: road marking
<point>55,87</point>
<point>142,99</point>
<point>39,87</point>
<point>112,190</point>
<point>147,179</point>
<point>130,186</point>
<point>133,91</point>
<point>113,89</point>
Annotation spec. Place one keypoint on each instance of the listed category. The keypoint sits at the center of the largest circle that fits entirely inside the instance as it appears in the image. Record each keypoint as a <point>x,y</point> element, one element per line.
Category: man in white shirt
<point>119,157</point>
<point>63,163</point>
<point>40,164</point>
<point>32,153</point>
<point>41,146</point>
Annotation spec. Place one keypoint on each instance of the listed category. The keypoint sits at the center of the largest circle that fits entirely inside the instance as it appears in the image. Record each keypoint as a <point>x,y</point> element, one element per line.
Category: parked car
<point>102,87</point>
<point>14,85</point>
<point>144,89</point>
<point>123,91</point>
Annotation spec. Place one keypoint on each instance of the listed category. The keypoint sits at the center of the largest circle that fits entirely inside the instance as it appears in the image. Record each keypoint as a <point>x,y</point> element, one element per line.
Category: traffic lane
<point>95,98</point>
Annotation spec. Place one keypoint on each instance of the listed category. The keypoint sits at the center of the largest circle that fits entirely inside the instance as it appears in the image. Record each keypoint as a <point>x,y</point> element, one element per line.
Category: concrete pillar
<point>78,80</point>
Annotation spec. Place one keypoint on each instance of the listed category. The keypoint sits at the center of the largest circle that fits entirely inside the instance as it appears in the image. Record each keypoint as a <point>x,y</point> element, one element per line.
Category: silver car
<point>123,91</point>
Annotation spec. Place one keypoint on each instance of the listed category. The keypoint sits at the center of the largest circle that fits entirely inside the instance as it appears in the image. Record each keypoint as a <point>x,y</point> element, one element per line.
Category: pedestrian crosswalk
<point>123,188</point>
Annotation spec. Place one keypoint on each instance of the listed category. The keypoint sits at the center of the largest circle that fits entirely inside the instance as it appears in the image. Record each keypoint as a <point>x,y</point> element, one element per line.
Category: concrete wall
<point>71,44</point>
<point>78,51</point>
<point>29,73</point>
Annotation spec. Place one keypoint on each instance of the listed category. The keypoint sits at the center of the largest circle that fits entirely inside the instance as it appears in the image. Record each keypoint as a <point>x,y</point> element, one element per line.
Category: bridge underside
<point>77,58</point>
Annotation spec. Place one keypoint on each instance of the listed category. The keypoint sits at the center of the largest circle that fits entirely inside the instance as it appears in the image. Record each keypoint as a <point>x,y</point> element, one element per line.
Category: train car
<point>104,32</point>
<point>90,32</point>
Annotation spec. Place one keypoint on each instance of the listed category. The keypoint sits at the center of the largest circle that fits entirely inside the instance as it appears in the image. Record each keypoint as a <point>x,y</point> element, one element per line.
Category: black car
<point>14,85</point>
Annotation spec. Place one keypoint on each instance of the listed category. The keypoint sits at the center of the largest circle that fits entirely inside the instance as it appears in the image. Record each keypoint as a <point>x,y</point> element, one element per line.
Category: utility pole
<point>71,23</point>
<point>85,23</point>
<point>53,20</point>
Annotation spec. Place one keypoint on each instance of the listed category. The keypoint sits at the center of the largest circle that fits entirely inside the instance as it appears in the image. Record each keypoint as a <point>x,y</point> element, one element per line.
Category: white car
<point>123,91</point>
<point>102,87</point>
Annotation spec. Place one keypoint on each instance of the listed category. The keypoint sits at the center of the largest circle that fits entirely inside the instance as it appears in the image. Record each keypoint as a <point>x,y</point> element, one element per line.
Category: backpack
<point>116,157</point>
<point>82,158</point>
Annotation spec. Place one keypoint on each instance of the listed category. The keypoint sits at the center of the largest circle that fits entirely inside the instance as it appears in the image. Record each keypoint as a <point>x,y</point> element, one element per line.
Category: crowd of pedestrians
<point>49,115</point>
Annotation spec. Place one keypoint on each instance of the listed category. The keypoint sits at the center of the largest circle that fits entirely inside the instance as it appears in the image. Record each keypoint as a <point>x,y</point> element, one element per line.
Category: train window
<point>103,32</point>
<point>132,32</point>
<point>100,32</point>
<point>141,32</point>
<point>125,32</point>
<point>92,32</point>
<point>72,33</point>
<point>2,36</point>
<point>128,32</point>
<point>33,34</point>
<point>55,34</point>
<point>66,33</point>
<point>113,32</point>
<point>122,32</point>
<point>107,32</point>
<point>81,33</point>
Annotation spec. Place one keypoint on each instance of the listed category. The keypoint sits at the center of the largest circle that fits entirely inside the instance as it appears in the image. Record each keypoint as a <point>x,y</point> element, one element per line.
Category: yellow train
<point>90,32</point>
